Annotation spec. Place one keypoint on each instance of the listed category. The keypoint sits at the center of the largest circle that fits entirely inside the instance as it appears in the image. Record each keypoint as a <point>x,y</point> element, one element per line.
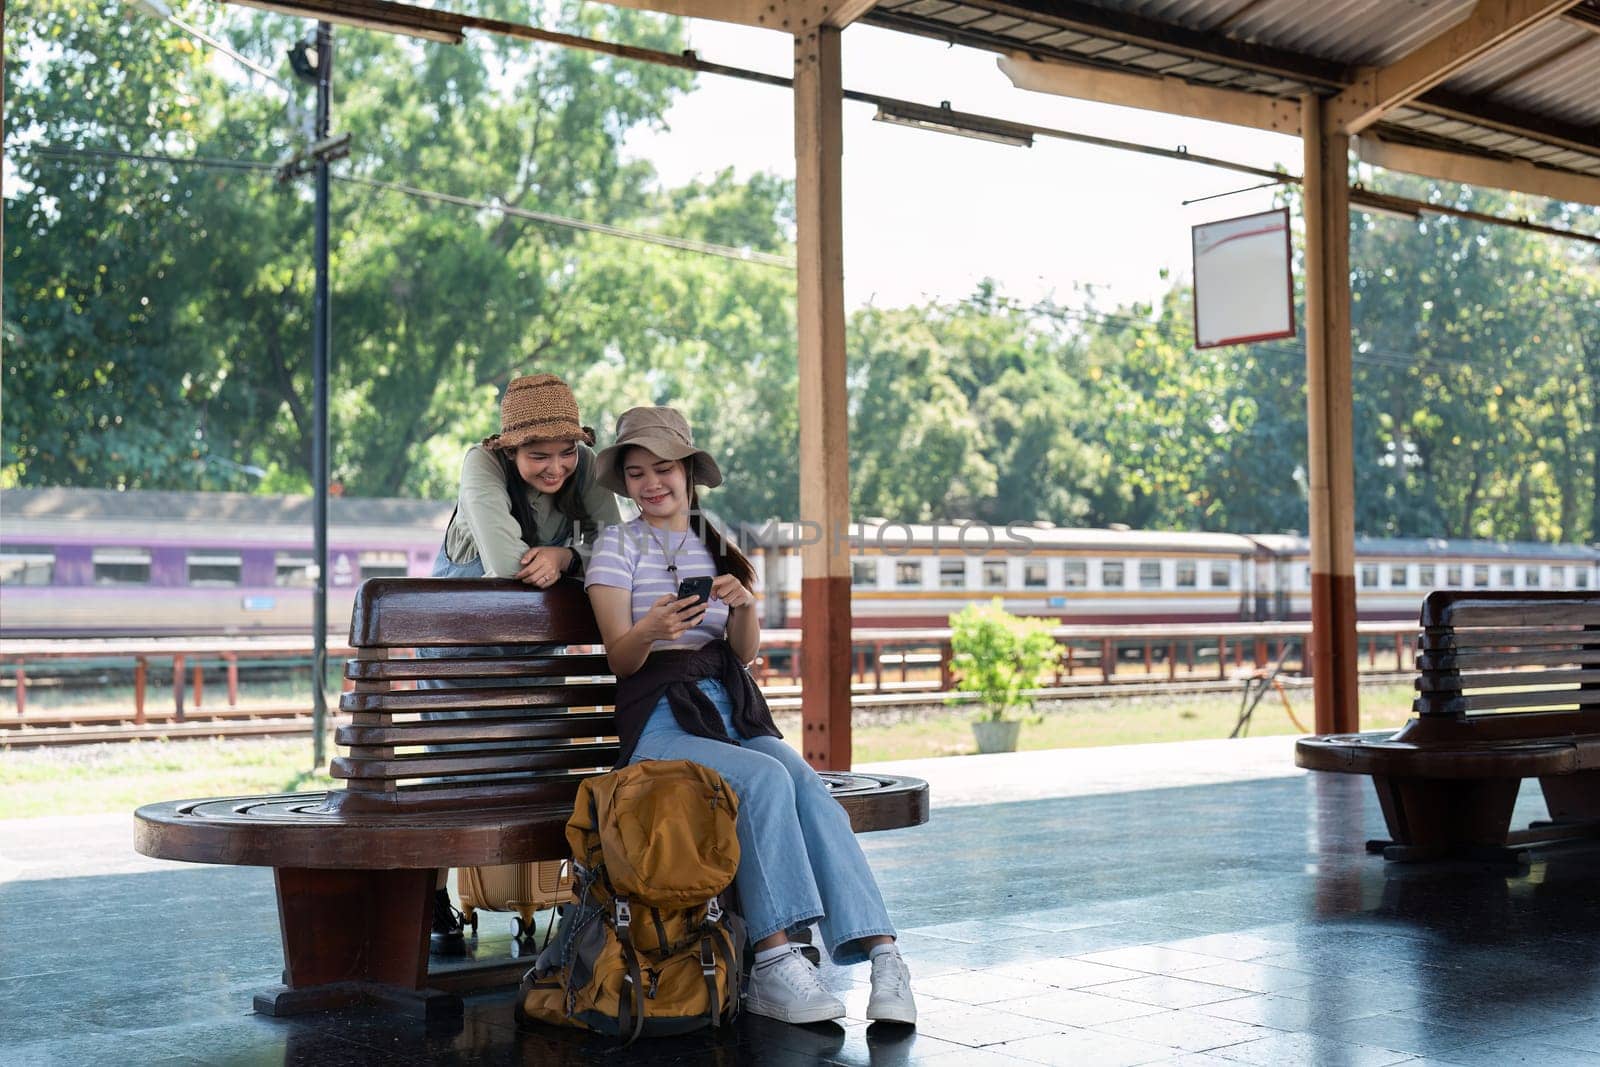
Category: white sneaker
<point>891,1000</point>
<point>790,989</point>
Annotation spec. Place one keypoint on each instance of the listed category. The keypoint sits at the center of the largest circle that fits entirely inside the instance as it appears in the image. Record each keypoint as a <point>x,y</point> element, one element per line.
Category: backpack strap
<point>630,1005</point>
<point>733,961</point>
<point>708,970</point>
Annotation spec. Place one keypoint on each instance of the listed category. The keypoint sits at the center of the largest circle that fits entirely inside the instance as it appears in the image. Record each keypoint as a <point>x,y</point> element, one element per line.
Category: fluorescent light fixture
<point>943,120</point>
<point>370,15</point>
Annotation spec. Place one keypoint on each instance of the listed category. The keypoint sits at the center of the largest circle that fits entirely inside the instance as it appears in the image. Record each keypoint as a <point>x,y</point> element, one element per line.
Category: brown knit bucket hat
<point>537,407</point>
<point>665,432</point>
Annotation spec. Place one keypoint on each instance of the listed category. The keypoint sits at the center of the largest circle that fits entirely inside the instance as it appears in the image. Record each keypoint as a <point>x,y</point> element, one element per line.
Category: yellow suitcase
<point>525,888</point>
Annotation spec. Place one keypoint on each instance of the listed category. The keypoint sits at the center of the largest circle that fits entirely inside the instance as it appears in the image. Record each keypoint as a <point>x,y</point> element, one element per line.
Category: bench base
<point>429,1005</point>
<point>1456,803</point>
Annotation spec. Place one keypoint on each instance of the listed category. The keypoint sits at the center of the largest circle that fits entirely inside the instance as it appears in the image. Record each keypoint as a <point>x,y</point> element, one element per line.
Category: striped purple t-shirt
<point>628,557</point>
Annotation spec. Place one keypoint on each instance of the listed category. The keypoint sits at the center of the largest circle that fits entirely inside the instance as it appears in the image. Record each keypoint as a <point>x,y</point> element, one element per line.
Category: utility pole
<point>322,336</point>
<point>322,151</point>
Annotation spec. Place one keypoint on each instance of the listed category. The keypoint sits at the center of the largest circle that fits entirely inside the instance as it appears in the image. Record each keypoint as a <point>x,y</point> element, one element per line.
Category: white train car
<point>918,575</point>
<point>81,561</point>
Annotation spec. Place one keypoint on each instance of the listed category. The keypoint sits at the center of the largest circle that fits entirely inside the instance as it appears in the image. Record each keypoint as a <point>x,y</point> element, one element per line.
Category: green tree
<point>969,411</point>
<point>100,376</point>
<point>1475,396</point>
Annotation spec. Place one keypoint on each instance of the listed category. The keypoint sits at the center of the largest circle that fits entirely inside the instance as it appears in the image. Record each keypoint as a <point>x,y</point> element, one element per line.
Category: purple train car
<point>77,562</point>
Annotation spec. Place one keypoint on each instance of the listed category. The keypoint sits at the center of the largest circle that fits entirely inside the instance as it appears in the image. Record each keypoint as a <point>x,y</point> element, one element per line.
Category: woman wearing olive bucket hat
<point>683,692</point>
<point>529,501</point>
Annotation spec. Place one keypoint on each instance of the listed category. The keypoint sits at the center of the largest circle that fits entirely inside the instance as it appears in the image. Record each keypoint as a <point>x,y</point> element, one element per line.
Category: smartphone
<point>695,587</point>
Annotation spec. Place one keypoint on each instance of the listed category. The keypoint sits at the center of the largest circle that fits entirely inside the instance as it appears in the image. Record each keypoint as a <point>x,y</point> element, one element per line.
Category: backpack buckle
<point>624,913</point>
<point>708,958</point>
<point>713,910</point>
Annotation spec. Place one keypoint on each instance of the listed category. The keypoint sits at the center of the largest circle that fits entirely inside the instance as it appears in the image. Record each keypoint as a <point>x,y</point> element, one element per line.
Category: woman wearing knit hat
<point>529,496</point>
<point>684,692</point>
<point>529,500</point>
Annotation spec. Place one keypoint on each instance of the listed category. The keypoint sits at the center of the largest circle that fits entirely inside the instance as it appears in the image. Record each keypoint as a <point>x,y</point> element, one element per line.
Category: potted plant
<point>1001,657</point>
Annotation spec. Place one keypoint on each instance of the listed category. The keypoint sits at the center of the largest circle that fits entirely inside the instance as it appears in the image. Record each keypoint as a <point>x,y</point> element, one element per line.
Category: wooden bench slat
<point>1464,661</point>
<point>444,731</point>
<point>1513,726</point>
<point>1515,609</point>
<point>1459,681</point>
<point>421,799</point>
<point>1558,700</point>
<point>400,670</point>
<point>458,612</point>
<point>476,762</point>
<point>581,694</point>
<point>1506,636</point>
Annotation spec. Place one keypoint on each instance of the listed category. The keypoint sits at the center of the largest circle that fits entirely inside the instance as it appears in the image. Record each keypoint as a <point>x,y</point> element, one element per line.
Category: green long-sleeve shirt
<point>483,527</point>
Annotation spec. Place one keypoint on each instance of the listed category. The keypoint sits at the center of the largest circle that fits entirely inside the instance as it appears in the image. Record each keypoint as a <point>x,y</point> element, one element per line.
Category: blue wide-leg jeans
<point>799,861</point>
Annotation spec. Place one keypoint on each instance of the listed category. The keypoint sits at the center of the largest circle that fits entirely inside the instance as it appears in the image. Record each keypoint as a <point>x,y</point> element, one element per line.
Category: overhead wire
<point>682,244</point>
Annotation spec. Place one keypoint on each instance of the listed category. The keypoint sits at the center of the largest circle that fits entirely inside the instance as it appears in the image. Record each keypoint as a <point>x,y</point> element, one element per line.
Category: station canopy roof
<point>1504,93</point>
<point>1534,97</point>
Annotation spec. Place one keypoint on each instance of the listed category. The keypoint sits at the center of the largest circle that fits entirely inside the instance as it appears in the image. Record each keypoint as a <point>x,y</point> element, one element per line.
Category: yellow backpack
<point>646,948</point>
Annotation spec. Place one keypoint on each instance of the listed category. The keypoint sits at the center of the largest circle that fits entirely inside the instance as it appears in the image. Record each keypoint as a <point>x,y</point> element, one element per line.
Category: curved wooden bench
<point>355,867</point>
<point>1508,688</point>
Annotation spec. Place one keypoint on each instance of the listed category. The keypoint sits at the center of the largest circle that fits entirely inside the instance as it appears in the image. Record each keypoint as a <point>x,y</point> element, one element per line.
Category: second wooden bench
<point>1508,688</point>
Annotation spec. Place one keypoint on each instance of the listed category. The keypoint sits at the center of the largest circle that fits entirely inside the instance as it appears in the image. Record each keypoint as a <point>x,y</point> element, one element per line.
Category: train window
<point>293,569</point>
<point>994,574</point>
<point>1150,574</point>
<point>1035,574</point>
<point>1074,573</point>
<point>1480,576</point>
<point>1558,577</point>
<point>121,566</point>
<point>952,574</point>
<point>1221,576</point>
<point>1187,574</point>
<point>864,573</point>
<point>908,573</point>
<point>1111,575</point>
<point>214,568</point>
<point>1580,577</point>
<point>383,564</point>
<point>1369,576</point>
<point>27,564</point>
<point>1452,576</point>
<point>1397,576</point>
<point>1508,577</point>
<point>1530,577</point>
<point>1425,573</point>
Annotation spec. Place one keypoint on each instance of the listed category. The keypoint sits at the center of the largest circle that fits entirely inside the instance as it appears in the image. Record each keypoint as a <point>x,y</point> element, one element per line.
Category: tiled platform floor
<point>1228,921</point>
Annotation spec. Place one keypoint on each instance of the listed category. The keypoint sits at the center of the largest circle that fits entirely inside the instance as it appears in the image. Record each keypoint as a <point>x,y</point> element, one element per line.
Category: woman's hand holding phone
<point>672,616</point>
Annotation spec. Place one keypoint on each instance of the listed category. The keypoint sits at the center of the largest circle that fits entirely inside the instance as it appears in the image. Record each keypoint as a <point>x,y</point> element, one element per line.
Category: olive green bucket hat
<point>662,431</point>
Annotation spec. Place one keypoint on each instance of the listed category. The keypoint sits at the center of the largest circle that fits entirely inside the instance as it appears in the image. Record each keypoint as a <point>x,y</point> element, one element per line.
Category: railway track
<point>39,730</point>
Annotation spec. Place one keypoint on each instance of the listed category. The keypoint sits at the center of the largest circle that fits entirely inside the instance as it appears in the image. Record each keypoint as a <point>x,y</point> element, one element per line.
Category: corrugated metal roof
<point>1535,98</point>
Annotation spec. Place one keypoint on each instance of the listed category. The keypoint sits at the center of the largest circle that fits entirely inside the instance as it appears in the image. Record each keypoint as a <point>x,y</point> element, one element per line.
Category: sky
<point>927,216</point>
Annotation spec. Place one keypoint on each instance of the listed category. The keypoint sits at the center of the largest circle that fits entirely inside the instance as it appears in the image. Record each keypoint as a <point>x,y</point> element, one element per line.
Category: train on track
<point>80,562</point>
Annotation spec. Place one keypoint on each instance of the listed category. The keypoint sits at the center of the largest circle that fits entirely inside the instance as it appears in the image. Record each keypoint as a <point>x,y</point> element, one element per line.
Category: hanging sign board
<point>1242,286</point>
